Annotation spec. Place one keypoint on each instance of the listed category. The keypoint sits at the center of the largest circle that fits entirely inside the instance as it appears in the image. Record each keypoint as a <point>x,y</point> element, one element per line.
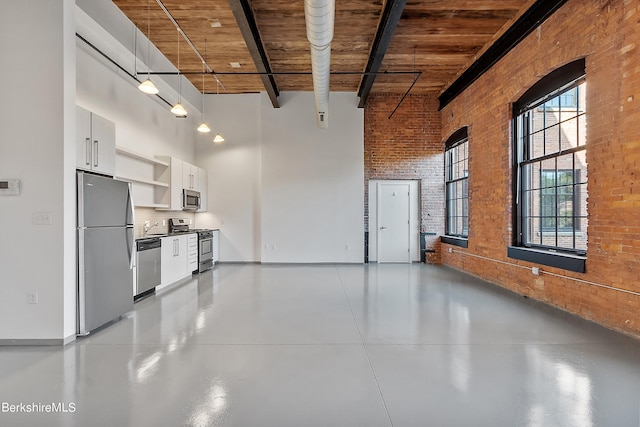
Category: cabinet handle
<point>95,154</point>
<point>87,159</point>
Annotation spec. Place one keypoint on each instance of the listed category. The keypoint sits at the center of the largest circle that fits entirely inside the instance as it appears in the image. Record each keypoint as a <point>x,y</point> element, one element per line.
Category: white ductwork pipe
<point>319,17</point>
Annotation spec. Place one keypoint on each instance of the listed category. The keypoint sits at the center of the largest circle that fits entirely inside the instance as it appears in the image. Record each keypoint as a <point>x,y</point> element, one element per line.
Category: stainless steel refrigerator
<point>106,250</point>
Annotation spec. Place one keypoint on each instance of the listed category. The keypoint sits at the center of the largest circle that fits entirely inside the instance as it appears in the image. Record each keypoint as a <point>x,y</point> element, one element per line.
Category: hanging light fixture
<point>218,139</point>
<point>147,86</point>
<point>178,109</point>
<point>203,128</point>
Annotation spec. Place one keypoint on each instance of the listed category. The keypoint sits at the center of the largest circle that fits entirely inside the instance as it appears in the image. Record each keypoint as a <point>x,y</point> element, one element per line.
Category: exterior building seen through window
<point>552,170</point>
<point>457,184</point>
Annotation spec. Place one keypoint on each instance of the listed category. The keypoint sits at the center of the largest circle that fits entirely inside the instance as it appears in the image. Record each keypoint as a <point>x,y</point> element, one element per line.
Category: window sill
<point>552,259</point>
<point>456,241</point>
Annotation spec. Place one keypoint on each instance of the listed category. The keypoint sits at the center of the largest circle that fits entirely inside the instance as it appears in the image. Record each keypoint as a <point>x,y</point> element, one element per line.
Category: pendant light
<point>218,139</point>
<point>147,86</point>
<point>178,109</point>
<point>204,128</point>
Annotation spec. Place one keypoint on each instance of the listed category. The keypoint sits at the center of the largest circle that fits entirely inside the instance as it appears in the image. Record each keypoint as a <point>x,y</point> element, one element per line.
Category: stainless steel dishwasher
<point>148,273</point>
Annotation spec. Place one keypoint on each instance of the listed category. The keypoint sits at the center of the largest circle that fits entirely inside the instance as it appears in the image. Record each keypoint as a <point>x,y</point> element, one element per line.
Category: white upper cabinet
<point>190,174</point>
<point>95,143</point>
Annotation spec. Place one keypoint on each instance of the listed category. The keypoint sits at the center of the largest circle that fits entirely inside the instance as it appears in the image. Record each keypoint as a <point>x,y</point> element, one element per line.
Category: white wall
<point>37,127</point>
<point>233,173</point>
<point>312,180</point>
<point>280,181</point>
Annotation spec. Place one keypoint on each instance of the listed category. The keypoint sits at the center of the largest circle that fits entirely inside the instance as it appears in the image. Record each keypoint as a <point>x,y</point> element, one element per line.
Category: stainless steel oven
<point>205,250</point>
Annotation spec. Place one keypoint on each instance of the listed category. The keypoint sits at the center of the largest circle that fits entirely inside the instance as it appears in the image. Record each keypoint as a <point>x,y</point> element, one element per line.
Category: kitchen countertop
<point>181,233</point>
<point>151,236</point>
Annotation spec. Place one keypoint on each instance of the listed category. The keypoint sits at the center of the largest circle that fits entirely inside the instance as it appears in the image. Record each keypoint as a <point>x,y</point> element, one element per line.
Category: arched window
<point>551,168</point>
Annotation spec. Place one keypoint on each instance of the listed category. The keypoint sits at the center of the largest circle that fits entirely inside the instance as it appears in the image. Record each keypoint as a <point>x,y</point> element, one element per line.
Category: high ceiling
<point>439,38</point>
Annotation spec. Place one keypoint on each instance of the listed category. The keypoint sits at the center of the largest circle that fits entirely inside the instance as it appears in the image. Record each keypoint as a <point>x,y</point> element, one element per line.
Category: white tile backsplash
<point>152,215</point>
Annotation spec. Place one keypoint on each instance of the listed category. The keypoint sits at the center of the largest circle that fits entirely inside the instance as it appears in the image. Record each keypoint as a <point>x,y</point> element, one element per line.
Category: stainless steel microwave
<point>190,200</point>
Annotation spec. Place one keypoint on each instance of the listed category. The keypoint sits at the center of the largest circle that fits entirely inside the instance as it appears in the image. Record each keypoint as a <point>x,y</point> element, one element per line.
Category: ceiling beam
<point>391,15</point>
<point>249,29</point>
<point>529,21</point>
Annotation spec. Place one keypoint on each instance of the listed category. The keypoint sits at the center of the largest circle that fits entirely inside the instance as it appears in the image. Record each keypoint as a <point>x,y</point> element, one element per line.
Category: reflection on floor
<point>377,345</point>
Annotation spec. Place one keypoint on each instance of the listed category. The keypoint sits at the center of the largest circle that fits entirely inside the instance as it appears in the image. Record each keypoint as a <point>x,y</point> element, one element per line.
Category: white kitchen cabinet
<point>173,256</point>
<point>170,196</point>
<point>189,176</point>
<point>215,246</point>
<point>95,143</point>
<point>192,253</point>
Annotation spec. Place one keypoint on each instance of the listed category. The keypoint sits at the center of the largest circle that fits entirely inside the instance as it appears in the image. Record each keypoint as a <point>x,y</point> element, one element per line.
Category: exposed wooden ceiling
<point>440,38</point>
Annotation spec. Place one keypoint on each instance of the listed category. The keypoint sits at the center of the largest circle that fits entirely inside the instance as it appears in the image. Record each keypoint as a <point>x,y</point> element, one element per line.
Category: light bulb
<point>218,139</point>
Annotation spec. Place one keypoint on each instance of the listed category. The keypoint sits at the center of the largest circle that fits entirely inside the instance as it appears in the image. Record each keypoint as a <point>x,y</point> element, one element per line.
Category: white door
<point>393,222</point>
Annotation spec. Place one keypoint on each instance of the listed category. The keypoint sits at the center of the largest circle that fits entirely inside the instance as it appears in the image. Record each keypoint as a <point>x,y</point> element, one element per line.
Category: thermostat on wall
<point>9,187</point>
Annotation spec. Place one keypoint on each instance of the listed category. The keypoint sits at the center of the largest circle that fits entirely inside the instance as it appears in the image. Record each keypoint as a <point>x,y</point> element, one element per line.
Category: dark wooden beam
<point>523,26</point>
<point>388,22</point>
<point>249,29</point>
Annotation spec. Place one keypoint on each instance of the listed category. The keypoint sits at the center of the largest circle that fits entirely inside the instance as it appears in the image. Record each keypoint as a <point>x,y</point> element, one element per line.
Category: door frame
<point>414,217</point>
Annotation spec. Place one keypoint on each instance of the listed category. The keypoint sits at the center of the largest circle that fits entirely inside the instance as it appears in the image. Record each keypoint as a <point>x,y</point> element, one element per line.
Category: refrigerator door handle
<point>131,213</point>
<point>131,246</point>
<point>131,220</point>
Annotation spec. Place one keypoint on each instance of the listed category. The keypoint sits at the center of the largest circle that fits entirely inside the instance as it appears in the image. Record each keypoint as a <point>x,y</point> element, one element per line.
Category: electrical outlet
<point>41,218</point>
<point>32,297</point>
<point>450,250</point>
<point>535,271</point>
<point>164,222</point>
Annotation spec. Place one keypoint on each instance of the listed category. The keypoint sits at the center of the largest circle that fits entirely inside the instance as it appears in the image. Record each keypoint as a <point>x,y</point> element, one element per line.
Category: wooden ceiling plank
<point>528,22</point>
<point>389,21</point>
<point>249,29</point>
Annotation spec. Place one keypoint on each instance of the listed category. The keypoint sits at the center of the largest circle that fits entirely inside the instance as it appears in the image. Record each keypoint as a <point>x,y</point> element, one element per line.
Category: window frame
<point>457,139</point>
<point>556,83</point>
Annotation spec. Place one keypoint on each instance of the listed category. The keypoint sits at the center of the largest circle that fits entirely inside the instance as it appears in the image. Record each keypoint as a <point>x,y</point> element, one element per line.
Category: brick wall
<point>407,146</point>
<point>607,34</point>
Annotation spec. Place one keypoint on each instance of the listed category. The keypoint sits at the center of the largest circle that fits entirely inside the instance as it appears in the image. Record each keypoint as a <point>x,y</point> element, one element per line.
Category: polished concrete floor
<point>378,345</point>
